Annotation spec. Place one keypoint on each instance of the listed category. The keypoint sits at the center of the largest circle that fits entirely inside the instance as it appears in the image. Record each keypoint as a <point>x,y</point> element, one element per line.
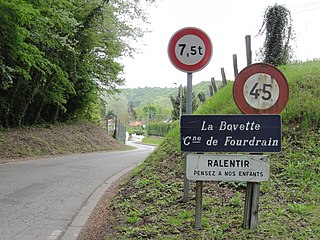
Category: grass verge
<point>153,140</point>
<point>149,206</point>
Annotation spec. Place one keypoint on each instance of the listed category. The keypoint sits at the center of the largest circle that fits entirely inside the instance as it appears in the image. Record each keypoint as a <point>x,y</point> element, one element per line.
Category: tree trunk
<point>21,118</point>
<point>55,116</point>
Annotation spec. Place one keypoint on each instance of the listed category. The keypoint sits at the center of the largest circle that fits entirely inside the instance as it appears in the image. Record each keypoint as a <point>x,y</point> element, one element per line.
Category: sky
<point>226,23</point>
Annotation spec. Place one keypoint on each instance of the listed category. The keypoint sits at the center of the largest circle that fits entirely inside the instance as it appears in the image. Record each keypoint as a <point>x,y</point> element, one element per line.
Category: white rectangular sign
<point>210,167</point>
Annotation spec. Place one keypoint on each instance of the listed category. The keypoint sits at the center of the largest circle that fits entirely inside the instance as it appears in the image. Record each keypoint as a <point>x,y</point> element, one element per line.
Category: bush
<point>159,128</point>
<point>137,130</point>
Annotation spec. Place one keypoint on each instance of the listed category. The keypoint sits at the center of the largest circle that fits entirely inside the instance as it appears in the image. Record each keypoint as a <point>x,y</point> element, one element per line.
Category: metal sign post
<point>186,183</point>
<point>190,50</point>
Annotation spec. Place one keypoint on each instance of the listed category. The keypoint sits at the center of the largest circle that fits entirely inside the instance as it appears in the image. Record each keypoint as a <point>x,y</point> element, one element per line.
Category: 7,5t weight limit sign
<point>190,49</point>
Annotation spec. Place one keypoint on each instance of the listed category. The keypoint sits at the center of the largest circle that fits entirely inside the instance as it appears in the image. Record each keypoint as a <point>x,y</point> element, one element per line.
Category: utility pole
<point>180,99</point>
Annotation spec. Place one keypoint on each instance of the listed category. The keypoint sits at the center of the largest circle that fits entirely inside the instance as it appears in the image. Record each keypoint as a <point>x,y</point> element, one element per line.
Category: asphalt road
<point>40,199</point>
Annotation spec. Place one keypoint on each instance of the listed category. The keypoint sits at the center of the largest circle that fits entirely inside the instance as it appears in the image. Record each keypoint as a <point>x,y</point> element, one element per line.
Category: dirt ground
<point>26,143</point>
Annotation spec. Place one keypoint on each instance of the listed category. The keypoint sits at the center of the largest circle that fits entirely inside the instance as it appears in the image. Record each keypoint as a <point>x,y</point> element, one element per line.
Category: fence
<point>117,129</point>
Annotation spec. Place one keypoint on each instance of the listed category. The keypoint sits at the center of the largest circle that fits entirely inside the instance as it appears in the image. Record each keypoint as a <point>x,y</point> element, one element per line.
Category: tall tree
<point>132,112</point>
<point>57,55</point>
<point>150,111</point>
<point>277,26</point>
<point>202,97</point>
<point>175,101</point>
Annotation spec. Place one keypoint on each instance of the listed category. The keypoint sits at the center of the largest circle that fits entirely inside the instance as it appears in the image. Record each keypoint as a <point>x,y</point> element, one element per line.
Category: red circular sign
<point>190,49</point>
<point>261,88</point>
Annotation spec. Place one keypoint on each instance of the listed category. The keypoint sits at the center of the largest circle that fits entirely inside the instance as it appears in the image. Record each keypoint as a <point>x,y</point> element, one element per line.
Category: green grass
<point>289,202</point>
<point>153,140</point>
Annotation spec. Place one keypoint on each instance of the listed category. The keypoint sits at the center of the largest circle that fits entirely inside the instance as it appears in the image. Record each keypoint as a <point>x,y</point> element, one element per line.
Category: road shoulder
<point>90,221</point>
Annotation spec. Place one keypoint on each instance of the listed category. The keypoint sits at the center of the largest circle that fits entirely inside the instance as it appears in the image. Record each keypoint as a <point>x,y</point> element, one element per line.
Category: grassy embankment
<point>149,206</point>
<point>153,140</point>
<point>48,140</point>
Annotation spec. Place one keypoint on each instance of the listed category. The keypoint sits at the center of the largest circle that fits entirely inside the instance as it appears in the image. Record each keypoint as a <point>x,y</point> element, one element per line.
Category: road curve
<point>39,199</point>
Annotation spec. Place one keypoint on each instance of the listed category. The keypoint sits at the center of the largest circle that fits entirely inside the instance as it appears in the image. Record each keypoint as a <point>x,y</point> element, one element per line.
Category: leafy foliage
<point>159,128</point>
<point>150,111</point>
<point>56,55</point>
<point>277,25</point>
<point>175,101</point>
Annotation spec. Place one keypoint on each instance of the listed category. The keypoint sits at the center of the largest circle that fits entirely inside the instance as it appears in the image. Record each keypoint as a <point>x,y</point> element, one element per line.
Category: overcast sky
<point>227,23</point>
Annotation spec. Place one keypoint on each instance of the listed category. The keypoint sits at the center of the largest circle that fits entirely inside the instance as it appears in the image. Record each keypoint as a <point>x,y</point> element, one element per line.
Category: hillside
<point>149,206</point>
<point>141,97</point>
<point>158,95</point>
<point>47,140</point>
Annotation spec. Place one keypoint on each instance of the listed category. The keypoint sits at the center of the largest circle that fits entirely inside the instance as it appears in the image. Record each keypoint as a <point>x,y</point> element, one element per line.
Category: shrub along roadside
<point>159,128</point>
<point>148,205</point>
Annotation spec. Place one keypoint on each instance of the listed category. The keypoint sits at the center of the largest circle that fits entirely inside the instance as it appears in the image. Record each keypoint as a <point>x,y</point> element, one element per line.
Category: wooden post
<point>253,188</point>
<point>118,129</point>
<point>199,186</point>
<point>211,90</point>
<point>247,206</point>
<point>248,50</point>
<point>115,130</point>
<point>214,86</point>
<point>180,100</point>
<point>235,65</point>
<point>224,79</point>
<point>255,205</point>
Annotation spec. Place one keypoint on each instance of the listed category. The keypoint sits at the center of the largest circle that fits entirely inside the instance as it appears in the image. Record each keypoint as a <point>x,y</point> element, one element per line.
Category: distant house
<point>135,123</point>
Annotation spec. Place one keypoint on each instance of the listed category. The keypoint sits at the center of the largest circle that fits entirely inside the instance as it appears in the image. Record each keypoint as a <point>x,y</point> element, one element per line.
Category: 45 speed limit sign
<point>261,89</point>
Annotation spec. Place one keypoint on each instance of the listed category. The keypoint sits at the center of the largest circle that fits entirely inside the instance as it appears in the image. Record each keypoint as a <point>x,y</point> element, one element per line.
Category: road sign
<point>261,89</point>
<point>190,49</point>
<point>231,133</point>
<point>210,167</point>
